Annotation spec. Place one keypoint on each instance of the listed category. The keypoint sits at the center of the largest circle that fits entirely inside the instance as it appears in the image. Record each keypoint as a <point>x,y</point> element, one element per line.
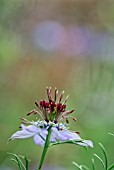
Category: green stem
<point>66,141</point>
<point>47,142</point>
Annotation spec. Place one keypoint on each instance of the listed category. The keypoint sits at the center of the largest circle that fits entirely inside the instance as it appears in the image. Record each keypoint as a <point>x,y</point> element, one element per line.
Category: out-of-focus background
<point>68,44</point>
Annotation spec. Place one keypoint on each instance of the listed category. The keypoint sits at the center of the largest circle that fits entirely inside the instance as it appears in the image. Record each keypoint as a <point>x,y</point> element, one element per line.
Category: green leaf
<point>111,134</point>
<point>78,166</point>
<point>105,155</point>
<point>112,166</point>
<point>18,161</point>
<point>100,160</point>
<point>93,163</point>
<point>12,159</point>
<point>27,163</point>
<point>81,167</point>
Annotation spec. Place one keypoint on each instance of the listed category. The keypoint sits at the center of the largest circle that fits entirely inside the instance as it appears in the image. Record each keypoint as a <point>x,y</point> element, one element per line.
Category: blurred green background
<point>66,44</point>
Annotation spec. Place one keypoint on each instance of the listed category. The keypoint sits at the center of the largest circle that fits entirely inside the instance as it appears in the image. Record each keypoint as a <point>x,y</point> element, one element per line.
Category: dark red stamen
<point>44,103</point>
<point>35,112</point>
<point>47,104</point>
<point>41,103</point>
<point>36,103</point>
<point>67,121</point>
<point>53,105</point>
<point>78,132</point>
<point>69,111</point>
<point>59,107</point>
<point>64,106</point>
<point>61,96</point>
<point>24,122</point>
<point>56,94</point>
<point>49,93</point>
<point>22,118</point>
<point>74,118</point>
<point>29,113</point>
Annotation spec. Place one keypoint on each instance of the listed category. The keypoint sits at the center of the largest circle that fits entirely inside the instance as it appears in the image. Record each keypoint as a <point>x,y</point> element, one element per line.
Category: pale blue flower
<point>58,134</point>
<point>53,113</point>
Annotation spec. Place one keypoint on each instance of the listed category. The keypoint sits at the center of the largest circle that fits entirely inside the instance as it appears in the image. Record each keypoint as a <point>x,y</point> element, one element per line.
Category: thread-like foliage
<point>18,160</point>
<point>104,161</point>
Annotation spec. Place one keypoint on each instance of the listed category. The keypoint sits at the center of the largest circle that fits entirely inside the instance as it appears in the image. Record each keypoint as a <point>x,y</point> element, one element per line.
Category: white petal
<point>26,132</point>
<point>41,137</point>
<point>55,135</point>
<point>21,134</point>
<point>38,140</point>
<point>31,128</point>
<point>89,143</point>
<point>85,143</point>
<point>68,135</point>
<point>43,133</point>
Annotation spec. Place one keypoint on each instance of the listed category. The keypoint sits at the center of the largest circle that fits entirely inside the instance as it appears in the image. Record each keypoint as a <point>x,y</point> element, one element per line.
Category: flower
<point>39,131</point>
<point>53,114</point>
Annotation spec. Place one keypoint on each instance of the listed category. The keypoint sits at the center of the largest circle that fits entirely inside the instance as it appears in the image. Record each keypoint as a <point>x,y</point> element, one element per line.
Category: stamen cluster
<point>53,110</point>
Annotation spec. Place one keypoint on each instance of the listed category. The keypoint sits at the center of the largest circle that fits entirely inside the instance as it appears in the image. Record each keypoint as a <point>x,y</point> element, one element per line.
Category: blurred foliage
<point>25,72</point>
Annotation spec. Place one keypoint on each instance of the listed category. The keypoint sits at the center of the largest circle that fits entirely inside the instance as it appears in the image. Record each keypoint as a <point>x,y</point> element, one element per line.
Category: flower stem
<point>47,142</point>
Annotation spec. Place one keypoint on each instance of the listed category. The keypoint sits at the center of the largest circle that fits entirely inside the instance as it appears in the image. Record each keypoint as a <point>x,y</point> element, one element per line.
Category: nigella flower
<point>53,113</point>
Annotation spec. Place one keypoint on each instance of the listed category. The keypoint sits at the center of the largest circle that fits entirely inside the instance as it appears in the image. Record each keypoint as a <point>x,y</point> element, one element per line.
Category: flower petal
<point>38,140</point>
<point>55,135</point>
<point>41,137</point>
<point>69,135</point>
<point>21,134</point>
<point>26,132</point>
<point>31,128</point>
<point>43,133</point>
<point>85,143</point>
<point>89,143</point>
